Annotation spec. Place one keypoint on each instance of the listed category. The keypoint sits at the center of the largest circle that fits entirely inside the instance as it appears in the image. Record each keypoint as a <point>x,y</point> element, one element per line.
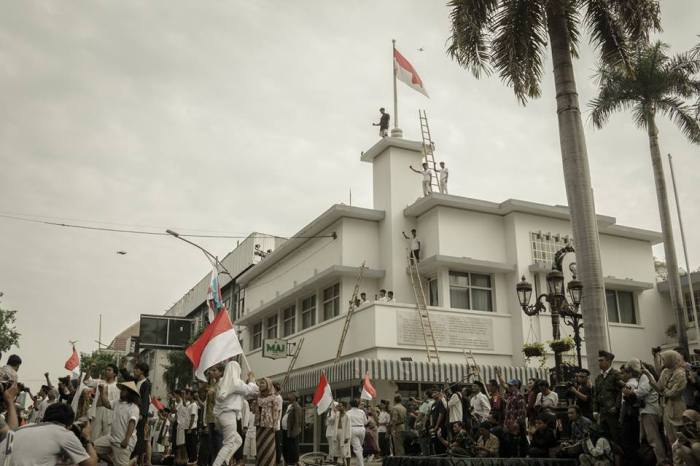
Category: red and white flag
<point>216,344</point>
<point>323,397</point>
<point>73,363</point>
<point>157,403</point>
<point>368,390</point>
<point>406,73</point>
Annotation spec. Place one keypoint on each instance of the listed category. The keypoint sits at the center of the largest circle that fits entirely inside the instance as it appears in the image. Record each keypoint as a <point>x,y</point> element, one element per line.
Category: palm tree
<point>657,85</point>
<point>511,37</point>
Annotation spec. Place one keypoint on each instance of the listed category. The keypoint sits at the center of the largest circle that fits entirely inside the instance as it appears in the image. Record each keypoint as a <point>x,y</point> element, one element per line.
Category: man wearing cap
<point>607,394</point>
<point>583,393</point>
<point>116,447</point>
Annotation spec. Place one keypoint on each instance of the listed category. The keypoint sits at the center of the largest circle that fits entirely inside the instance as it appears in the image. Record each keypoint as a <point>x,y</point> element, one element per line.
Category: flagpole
<point>685,253</point>
<point>393,65</point>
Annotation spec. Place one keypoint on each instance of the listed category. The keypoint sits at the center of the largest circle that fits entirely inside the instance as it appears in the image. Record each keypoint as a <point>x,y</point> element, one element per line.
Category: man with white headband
<point>227,408</point>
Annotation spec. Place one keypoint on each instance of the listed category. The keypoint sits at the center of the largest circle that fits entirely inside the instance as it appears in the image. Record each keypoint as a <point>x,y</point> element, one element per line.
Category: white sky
<point>243,116</point>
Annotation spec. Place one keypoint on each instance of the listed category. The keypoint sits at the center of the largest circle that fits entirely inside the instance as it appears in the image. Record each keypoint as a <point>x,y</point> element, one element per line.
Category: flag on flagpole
<point>216,344</point>
<point>73,363</point>
<point>214,300</point>
<point>368,390</point>
<point>323,397</point>
<point>407,74</point>
<point>157,403</point>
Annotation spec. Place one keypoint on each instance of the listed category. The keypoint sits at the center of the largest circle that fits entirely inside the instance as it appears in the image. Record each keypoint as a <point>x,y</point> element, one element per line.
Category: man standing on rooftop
<point>383,123</point>
<point>428,174</point>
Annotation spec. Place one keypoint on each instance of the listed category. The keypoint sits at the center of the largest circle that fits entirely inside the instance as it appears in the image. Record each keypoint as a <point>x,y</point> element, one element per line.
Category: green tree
<point>97,361</point>
<point>511,37</point>
<point>658,85</point>
<point>9,337</point>
<point>178,372</point>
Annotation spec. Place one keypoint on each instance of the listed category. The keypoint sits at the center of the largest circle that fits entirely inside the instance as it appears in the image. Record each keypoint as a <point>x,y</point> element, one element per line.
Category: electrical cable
<point>143,232</point>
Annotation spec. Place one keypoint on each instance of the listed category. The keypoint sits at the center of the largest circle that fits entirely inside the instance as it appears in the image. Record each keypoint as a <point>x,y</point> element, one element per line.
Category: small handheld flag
<point>323,397</point>
<point>73,363</point>
<point>216,344</point>
<point>368,390</point>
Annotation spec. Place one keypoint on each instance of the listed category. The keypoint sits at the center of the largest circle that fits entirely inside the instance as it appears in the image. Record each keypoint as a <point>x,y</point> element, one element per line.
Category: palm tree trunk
<point>674,281</point>
<point>577,179</point>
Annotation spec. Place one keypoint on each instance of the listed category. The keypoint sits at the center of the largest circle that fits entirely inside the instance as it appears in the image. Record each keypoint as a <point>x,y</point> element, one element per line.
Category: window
<point>433,292</point>
<point>621,307</point>
<point>331,301</point>
<point>256,337</point>
<point>688,304</point>
<point>545,245</point>
<point>289,316</point>
<point>471,291</point>
<point>308,312</point>
<point>271,328</point>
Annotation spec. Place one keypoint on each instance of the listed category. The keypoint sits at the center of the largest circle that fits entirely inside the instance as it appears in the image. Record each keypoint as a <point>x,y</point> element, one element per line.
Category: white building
<point>473,254</point>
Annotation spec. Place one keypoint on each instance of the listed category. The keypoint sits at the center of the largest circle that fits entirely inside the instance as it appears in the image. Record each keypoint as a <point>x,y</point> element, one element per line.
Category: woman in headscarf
<point>227,409</point>
<point>671,384</point>
<point>266,417</point>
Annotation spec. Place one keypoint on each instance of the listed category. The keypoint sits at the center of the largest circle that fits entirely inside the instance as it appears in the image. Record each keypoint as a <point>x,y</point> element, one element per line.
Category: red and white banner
<point>323,397</point>
<point>368,390</point>
<point>73,363</point>
<point>406,73</point>
<point>216,344</point>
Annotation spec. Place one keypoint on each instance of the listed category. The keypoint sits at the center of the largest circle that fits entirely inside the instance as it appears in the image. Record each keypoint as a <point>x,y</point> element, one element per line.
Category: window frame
<point>309,311</point>
<point>334,300</point>
<point>469,287</point>
<point>286,319</point>
<point>434,282</point>
<point>256,334</point>
<point>635,307</point>
<point>268,327</point>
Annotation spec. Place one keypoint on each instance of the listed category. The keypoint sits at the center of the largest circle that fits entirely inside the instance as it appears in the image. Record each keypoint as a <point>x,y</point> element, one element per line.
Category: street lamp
<point>559,306</point>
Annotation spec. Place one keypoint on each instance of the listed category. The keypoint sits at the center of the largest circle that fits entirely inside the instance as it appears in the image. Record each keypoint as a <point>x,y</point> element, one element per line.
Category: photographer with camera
<point>582,392</point>
<point>53,440</point>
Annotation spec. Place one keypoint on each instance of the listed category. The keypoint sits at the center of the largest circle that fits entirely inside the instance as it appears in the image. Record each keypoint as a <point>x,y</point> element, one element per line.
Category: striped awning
<point>352,370</point>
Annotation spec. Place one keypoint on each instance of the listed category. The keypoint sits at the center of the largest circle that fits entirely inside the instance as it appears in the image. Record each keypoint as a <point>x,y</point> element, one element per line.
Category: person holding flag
<point>228,406</point>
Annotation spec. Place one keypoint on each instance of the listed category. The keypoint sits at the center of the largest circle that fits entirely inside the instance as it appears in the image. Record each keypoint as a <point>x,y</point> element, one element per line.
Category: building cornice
<point>320,223</point>
<point>466,264</point>
<point>384,143</point>
<point>627,284</point>
<point>606,224</point>
<point>331,272</point>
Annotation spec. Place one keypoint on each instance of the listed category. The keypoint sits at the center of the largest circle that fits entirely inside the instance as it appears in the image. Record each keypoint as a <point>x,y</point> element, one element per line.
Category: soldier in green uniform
<point>607,393</point>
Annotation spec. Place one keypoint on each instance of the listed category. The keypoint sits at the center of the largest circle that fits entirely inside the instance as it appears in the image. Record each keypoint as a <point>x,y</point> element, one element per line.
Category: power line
<point>144,232</point>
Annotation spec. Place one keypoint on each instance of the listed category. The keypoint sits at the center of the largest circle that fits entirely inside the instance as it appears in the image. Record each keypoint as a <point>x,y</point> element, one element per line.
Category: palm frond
<point>607,32</point>
<point>682,115</point>
<point>573,21</point>
<point>469,42</point>
<point>519,46</point>
<point>638,17</point>
<point>614,95</point>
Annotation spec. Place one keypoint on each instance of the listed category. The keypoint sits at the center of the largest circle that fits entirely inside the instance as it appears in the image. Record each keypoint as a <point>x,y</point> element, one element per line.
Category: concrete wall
<point>471,234</point>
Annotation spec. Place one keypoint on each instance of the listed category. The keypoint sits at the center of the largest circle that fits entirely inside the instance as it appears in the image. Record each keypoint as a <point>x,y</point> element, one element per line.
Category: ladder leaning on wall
<point>295,356</point>
<point>422,307</point>
<point>351,311</point>
<point>428,149</point>
<point>473,369</point>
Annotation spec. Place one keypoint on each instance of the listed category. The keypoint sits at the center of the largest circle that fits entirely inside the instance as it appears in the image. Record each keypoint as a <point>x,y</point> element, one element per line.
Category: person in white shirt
<point>117,445</point>
<point>279,402</point>
<point>103,414</point>
<point>454,409</point>
<point>191,430</point>
<point>546,398</point>
<point>249,450</point>
<point>383,420</point>
<point>390,297</point>
<point>229,403</point>
<point>428,175</point>
<point>382,296</point>
<point>358,421</point>
<point>414,245</point>
<point>480,404</point>
<point>443,173</point>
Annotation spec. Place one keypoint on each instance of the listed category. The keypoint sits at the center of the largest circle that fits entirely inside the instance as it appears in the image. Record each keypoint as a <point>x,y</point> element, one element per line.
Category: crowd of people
<point>636,414</point>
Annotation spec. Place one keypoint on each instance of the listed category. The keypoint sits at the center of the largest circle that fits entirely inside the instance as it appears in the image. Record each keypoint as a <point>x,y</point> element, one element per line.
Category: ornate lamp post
<point>558,304</point>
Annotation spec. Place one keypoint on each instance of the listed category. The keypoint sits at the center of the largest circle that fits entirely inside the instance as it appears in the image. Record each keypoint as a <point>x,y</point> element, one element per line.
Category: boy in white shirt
<point>117,446</point>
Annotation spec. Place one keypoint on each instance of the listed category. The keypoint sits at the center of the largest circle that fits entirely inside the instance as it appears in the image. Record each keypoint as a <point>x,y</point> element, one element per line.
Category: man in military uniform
<point>607,393</point>
<point>397,425</point>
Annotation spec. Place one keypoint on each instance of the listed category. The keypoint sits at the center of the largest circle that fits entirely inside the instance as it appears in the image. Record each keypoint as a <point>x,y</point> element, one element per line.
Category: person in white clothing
<point>331,416</point>
<point>249,450</point>
<point>414,245</point>
<point>358,421</point>
<point>383,421</point>
<point>428,175</point>
<point>343,436</point>
<point>103,415</point>
<point>443,174</point>
<point>454,409</point>
<point>546,398</point>
<point>229,400</point>
<point>116,446</point>
<point>382,296</point>
<point>480,404</point>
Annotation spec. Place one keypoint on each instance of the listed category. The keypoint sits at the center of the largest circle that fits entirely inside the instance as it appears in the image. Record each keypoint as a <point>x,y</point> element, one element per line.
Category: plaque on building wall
<point>451,330</point>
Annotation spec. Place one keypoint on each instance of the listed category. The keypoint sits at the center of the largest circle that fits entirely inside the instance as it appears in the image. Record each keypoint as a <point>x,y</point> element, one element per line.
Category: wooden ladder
<point>422,307</point>
<point>295,356</point>
<point>351,311</point>
<point>472,367</point>
<point>429,149</point>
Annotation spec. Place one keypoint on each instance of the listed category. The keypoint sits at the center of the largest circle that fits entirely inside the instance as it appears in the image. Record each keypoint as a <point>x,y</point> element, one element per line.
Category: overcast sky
<point>242,116</point>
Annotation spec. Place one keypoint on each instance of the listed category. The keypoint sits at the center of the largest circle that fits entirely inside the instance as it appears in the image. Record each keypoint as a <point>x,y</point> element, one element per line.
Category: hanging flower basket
<point>533,350</point>
<point>562,346</point>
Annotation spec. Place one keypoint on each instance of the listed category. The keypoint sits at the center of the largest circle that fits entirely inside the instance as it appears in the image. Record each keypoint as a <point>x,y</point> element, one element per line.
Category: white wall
<point>471,234</point>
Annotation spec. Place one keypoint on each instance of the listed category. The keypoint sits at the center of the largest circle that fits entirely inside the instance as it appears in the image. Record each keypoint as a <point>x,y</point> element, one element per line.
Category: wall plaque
<point>451,330</point>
